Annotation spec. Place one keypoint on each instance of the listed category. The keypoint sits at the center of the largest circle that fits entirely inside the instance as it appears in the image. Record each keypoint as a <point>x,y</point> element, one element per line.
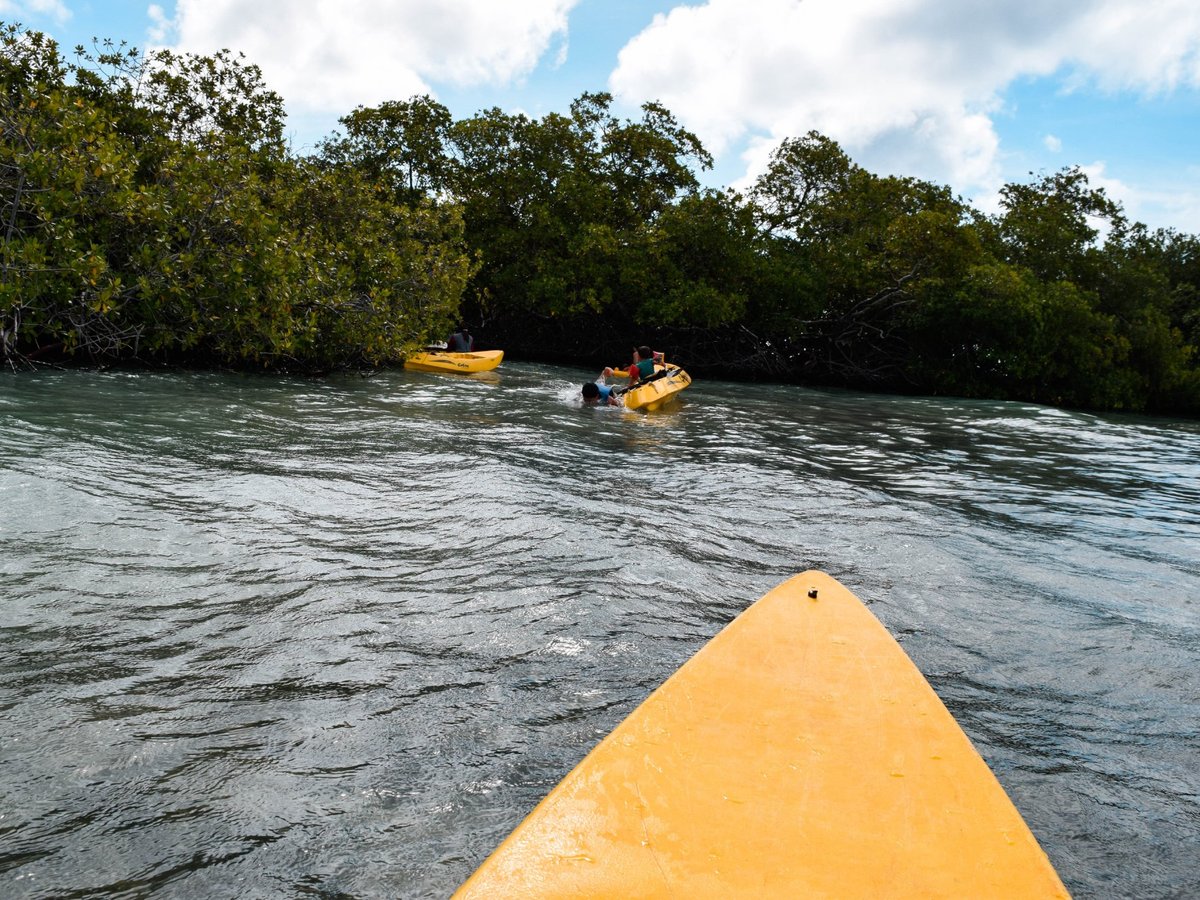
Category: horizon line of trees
<point>152,212</point>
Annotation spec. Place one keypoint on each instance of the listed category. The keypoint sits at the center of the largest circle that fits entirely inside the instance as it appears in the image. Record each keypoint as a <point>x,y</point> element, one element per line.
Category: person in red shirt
<point>644,360</point>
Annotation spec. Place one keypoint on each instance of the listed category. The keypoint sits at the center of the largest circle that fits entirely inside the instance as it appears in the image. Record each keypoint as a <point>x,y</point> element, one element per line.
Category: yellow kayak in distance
<point>662,387</point>
<point>800,753</point>
<point>445,361</point>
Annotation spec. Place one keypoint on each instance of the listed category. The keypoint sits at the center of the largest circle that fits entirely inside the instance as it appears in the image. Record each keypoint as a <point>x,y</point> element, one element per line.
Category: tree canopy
<point>151,212</point>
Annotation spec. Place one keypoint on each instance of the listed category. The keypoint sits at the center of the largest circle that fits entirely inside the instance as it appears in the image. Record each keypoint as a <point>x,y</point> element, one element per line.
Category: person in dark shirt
<point>461,341</point>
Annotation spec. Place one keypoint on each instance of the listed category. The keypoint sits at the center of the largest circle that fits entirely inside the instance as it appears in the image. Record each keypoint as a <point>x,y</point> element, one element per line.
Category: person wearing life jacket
<point>600,393</point>
<point>595,393</point>
<point>643,363</point>
<point>461,341</point>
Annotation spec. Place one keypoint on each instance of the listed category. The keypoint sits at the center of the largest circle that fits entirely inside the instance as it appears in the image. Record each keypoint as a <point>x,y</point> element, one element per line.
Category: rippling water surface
<point>273,638</point>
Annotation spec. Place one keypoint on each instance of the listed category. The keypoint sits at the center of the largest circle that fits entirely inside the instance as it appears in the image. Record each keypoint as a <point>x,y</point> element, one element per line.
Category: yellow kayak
<point>800,753</point>
<point>651,394</point>
<point>444,361</point>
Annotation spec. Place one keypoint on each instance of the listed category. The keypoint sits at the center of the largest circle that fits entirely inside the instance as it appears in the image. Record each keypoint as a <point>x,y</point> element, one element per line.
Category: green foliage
<point>802,177</point>
<point>402,144</point>
<point>1058,299</point>
<point>150,211</point>
<point>560,208</point>
<point>697,266</point>
<point>1051,226</point>
<point>1002,332</point>
<point>872,249</point>
<point>62,168</point>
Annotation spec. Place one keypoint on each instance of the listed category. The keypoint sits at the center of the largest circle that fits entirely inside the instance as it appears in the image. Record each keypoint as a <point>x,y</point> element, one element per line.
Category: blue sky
<point>968,93</point>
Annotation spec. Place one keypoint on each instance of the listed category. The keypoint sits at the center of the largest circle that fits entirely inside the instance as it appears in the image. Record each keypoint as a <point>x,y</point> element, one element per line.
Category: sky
<point>972,94</point>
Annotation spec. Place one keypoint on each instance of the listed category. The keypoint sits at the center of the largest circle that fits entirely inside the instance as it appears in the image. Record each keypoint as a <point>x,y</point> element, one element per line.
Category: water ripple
<point>337,637</point>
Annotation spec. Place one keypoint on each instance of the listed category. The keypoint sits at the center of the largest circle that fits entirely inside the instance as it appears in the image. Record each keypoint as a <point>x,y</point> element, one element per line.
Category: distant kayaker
<point>597,392</point>
<point>461,341</point>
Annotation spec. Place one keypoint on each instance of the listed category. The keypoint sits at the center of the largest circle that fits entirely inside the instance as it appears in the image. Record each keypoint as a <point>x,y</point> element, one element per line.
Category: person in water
<point>461,341</point>
<point>597,392</point>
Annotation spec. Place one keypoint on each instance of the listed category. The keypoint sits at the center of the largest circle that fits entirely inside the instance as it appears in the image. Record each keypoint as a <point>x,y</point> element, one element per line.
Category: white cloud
<point>1098,177</point>
<point>53,9</point>
<point>1052,143</point>
<point>906,86</point>
<point>160,26</point>
<point>1180,207</point>
<point>328,58</point>
<point>1150,46</point>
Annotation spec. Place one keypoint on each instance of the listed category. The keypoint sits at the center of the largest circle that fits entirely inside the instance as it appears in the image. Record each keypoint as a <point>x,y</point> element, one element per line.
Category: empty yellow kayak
<point>800,753</point>
<point>658,389</point>
<point>444,361</point>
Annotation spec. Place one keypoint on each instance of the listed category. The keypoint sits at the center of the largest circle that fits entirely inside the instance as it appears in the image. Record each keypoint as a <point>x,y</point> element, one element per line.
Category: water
<point>273,638</point>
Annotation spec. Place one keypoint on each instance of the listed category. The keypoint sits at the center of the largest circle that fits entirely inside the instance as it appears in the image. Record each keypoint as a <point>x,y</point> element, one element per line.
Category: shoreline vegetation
<point>154,215</point>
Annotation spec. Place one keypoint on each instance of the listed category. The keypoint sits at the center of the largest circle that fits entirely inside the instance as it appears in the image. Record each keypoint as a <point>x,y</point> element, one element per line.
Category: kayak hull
<point>462,363</point>
<point>652,395</point>
<point>800,753</point>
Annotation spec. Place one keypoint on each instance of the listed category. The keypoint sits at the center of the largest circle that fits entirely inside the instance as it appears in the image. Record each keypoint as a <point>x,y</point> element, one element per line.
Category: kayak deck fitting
<point>800,753</point>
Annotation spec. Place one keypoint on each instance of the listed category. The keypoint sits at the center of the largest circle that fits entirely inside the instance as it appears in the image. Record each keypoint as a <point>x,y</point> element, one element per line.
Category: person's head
<point>644,352</point>
<point>463,329</point>
<point>591,391</point>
